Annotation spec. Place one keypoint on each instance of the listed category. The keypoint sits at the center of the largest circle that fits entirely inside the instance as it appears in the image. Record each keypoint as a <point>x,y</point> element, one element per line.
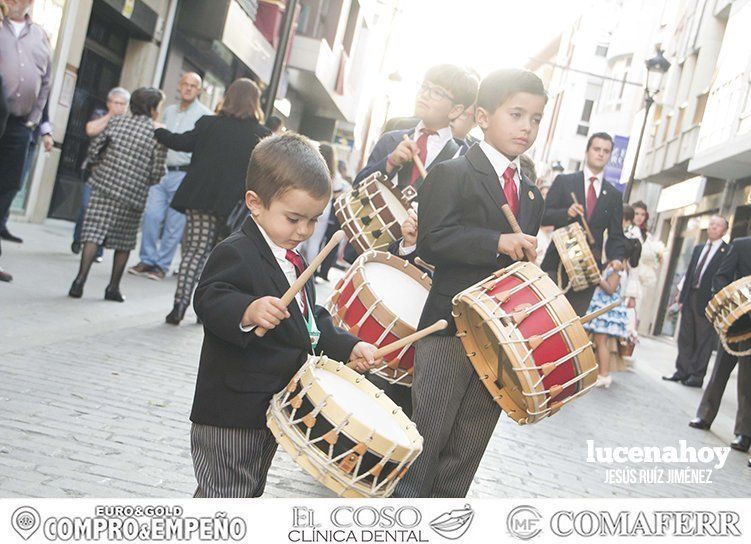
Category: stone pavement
<point>95,397</point>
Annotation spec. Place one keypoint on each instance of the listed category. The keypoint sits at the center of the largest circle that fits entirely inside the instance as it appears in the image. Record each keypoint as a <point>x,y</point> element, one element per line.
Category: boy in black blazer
<point>288,187</point>
<point>464,233</point>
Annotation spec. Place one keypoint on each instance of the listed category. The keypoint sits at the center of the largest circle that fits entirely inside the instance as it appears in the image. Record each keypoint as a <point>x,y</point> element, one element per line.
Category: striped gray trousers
<point>230,462</point>
<point>455,415</point>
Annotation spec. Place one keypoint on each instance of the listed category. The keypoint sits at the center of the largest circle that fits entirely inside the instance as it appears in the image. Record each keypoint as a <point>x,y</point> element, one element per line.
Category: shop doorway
<point>101,66</point>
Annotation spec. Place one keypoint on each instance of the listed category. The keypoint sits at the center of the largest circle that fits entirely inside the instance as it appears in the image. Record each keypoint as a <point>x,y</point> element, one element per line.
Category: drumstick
<point>589,317</point>
<point>300,282</point>
<point>590,238</point>
<point>417,162</point>
<point>511,218</point>
<point>414,337</point>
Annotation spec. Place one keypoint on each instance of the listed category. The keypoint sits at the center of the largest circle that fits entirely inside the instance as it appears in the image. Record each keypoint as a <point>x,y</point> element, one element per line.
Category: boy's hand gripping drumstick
<point>417,162</point>
<point>511,218</point>
<point>399,344</point>
<point>300,282</point>
<point>590,238</point>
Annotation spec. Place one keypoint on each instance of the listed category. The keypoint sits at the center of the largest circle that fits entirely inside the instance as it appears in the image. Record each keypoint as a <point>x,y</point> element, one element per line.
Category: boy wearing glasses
<point>445,93</point>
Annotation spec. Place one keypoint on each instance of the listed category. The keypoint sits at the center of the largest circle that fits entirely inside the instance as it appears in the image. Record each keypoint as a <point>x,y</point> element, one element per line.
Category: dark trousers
<point>710,401</point>
<point>14,146</point>
<point>579,300</point>
<point>696,340</point>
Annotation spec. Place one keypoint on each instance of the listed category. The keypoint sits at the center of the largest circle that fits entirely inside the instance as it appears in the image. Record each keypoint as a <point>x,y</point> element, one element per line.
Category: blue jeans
<point>161,221</point>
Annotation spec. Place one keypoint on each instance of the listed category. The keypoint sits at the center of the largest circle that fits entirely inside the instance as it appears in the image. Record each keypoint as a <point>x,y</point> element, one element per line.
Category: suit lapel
<point>526,204</point>
<point>486,174</point>
<point>296,320</point>
<point>578,189</point>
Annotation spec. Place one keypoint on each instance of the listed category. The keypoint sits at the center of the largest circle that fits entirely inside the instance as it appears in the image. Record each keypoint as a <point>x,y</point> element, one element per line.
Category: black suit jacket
<point>608,215</point>
<point>239,372</point>
<point>735,265</point>
<point>386,144</point>
<point>705,286</point>
<point>460,221</point>
<point>221,148</point>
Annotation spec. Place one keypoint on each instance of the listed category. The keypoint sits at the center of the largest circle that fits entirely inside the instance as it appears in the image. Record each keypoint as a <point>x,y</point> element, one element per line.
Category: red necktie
<point>509,189</point>
<point>422,152</point>
<point>296,260</point>
<point>591,198</point>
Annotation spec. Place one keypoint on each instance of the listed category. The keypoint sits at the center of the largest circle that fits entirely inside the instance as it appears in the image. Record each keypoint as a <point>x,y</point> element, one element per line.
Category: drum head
<point>362,406</point>
<point>393,203</point>
<point>400,293</point>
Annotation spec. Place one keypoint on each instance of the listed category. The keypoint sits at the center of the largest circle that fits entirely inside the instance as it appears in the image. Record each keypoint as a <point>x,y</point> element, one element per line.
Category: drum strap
<point>313,333</point>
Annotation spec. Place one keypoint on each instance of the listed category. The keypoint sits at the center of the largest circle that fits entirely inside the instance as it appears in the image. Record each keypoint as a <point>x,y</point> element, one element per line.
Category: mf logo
<point>524,522</point>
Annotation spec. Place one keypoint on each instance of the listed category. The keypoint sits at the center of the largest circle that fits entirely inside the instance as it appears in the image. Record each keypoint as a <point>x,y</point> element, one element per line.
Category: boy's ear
<point>481,116</point>
<point>253,202</point>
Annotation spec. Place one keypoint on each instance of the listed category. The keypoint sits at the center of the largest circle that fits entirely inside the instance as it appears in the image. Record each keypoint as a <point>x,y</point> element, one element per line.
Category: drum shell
<point>576,256</point>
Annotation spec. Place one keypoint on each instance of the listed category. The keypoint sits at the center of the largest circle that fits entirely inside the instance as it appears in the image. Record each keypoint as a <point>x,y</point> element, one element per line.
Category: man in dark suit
<point>736,265</point>
<point>602,204</point>
<point>696,337</point>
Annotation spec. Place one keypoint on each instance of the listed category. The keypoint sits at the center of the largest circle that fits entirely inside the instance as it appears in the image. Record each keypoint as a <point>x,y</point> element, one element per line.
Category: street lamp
<point>657,66</point>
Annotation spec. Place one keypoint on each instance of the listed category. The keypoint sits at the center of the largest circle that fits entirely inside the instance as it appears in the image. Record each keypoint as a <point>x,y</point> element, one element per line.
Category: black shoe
<point>741,442</point>
<point>177,314</point>
<point>693,382</point>
<point>4,276</point>
<point>6,235</point>
<point>75,247</point>
<point>699,423</point>
<point>674,378</point>
<point>114,295</point>
<point>76,289</point>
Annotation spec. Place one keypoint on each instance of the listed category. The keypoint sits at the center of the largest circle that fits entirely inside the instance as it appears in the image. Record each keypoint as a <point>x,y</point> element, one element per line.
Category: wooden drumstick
<point>589,317</point>
<point>511,218</point>
<point>300,282</point>
<point>590,238</point>
<point>399,344</point>
<point>417,162</point>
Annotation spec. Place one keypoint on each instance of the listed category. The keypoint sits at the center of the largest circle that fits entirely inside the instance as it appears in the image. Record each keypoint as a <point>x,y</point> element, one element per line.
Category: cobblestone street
<point>95,397</point>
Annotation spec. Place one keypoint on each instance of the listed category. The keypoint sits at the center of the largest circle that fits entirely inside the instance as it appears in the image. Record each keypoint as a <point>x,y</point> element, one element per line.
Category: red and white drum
<point>380,300</point>
<point>525,341</point>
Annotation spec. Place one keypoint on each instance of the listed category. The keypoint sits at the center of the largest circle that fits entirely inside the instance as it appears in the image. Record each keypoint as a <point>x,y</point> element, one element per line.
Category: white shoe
<point>604,381</point>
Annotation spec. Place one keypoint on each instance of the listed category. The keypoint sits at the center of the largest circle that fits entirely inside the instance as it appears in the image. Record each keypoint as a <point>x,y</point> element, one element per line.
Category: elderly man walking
<point>162,225</point>
<point>25,70</point>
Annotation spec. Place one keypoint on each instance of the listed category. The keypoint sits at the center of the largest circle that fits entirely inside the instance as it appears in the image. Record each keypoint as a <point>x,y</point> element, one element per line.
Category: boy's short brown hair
<point>288,161</point>
<point>499,86</point>
<point>461,83</point>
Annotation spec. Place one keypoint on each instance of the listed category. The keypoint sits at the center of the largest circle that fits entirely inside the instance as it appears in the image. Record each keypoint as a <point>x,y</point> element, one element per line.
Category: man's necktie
<point>509,189</point>
<point>591,198</point>
<point>700,266</point>
<point>422,152</point>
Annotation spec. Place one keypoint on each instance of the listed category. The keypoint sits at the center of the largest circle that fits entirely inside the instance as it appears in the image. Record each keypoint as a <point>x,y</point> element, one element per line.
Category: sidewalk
<point>95,399</point>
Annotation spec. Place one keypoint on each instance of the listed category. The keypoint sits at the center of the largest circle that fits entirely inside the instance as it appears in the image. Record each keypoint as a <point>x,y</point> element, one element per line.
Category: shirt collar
<point>499,161</point>
<point>279,252</point>
<point>588,174</point>
<point>444,134</point>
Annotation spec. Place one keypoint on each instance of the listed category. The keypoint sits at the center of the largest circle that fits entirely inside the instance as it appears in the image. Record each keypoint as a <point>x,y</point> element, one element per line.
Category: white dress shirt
<point>436,142</point>
<point>500,163</point>
<point>712,247</point>
<point>598,182</point>
<point>287,267</point>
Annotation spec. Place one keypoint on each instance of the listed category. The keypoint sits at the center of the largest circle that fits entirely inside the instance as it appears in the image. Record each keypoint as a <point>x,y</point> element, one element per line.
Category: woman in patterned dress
<point>126,162</point>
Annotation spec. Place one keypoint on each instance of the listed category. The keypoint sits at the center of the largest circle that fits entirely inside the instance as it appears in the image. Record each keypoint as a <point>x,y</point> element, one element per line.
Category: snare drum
<point>729,312</point>
<point>371,215</point>
<point>576,257</point>
<point>380,300</point>
<point>342,430</point>
<point>525,341</point>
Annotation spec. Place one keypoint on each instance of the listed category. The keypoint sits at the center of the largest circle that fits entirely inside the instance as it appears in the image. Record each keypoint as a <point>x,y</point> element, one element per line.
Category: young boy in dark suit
<point>445,93</point>
<point>465,235</point>
<point>288,187</point>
